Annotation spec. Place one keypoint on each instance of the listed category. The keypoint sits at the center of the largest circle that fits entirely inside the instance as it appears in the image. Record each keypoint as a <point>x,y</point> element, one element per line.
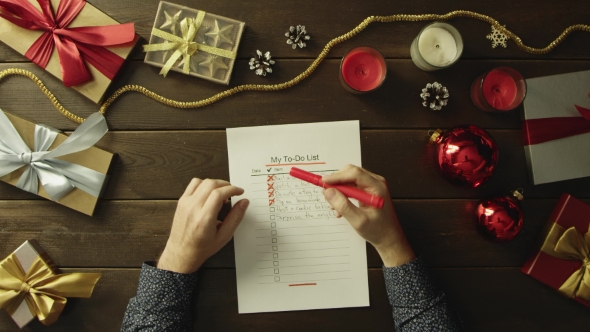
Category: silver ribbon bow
<point>58,177</point>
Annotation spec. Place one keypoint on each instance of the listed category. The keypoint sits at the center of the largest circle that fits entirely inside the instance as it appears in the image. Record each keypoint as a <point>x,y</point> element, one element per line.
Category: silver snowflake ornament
<point>296,36</point>
<point>435,96</point>
<point>497,38</point>
<point>261,63</point>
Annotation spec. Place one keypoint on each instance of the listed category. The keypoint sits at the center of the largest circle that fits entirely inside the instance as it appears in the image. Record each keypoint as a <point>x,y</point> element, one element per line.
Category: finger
<point>192,186</point>
<point>343,206</point>
<point>232,221</point>
<point>355,175</point>
<point>217,197</point>
<point>204,190</point>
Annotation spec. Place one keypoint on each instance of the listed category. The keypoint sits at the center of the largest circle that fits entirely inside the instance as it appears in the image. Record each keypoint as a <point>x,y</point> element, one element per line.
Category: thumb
<point>341,204</point>
<point>232,221</point>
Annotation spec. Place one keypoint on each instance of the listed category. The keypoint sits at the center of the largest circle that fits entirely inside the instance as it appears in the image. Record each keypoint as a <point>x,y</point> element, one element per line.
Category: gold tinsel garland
<point>304,74</point>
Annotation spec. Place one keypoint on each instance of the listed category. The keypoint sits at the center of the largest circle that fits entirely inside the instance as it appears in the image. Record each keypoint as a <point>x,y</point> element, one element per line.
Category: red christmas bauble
<point>466,154</point>
<point>500,218</point>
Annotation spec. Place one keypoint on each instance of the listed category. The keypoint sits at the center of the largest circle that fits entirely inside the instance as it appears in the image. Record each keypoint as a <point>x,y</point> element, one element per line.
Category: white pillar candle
<point>437,46</point>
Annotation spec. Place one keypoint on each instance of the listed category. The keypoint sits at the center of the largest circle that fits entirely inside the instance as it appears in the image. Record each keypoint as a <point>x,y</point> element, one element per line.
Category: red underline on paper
<point>306,284</point>
<point>318,163</point>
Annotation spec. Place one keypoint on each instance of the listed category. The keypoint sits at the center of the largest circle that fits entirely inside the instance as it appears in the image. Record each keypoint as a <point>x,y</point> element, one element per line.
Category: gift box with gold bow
<point>71,39</point>
<point>563,262</point>
<point>31,286</point>
<point>66,169</point>
<point>194,43</point>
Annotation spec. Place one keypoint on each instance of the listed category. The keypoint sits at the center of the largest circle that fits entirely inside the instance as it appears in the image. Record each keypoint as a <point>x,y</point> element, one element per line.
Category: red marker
<point>361,196</point>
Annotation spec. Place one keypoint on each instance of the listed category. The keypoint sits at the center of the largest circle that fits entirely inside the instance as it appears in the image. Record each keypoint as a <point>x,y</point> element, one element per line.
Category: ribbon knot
<point>57,176</point>
<point>45,293</point>
<point>572,245</point>
<point>26,157</point>
<point>25,288</point>
<point>184,46</point>
<point>74,45</point>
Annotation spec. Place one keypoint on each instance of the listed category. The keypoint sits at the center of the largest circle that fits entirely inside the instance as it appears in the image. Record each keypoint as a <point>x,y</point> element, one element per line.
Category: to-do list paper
<point>292,253</point>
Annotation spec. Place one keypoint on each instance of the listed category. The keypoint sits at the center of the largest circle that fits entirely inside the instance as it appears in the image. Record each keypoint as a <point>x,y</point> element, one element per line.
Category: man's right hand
<point>380,227</point>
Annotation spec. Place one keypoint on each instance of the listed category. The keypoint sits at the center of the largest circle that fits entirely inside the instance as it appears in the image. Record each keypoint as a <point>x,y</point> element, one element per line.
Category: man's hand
<point>196,233</point>
<point>380,227</point>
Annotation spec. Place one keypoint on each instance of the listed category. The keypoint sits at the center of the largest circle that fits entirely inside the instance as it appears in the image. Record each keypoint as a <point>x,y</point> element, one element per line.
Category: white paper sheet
<point>292,253</point>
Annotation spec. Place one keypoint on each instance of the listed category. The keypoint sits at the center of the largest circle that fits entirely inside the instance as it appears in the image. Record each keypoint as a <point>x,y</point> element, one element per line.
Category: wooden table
<point>161,148</point>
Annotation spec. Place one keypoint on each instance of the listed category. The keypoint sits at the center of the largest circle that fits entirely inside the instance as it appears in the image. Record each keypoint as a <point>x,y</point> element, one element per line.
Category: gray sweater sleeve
<point>162,303</point>
<point>417,303</point>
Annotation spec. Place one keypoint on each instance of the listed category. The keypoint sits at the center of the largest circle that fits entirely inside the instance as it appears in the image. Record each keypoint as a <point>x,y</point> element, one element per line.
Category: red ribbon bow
<point>538,131</point>
<point>74,45</point>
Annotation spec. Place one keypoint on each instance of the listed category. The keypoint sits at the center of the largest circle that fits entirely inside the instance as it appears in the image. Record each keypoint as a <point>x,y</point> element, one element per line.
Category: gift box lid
<point>215,31</point>
<point>554,97</point>
<point>21,39</point>
<point>553,271</point>
<point>93,158</point>
<point>26,255</point>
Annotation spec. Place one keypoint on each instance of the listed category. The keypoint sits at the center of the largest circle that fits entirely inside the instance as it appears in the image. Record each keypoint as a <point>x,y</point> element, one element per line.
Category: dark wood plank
<point>396,104</point>
<point>506,300</point>
<point>159,165</point>
<point>536,22</point>
<point>125,233</point>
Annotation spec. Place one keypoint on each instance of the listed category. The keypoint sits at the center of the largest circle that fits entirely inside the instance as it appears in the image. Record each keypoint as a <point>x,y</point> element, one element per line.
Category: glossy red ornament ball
<point>466,154</point>
<point>500,218</point>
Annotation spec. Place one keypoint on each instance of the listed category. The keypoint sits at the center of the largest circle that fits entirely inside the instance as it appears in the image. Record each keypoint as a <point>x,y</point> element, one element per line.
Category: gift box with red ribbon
<point>556,127</point>
<point>71,39</point>
<point>563,260</point>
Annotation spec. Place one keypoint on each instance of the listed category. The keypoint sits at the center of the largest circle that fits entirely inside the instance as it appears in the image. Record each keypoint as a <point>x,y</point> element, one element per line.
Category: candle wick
<point>437,46</point>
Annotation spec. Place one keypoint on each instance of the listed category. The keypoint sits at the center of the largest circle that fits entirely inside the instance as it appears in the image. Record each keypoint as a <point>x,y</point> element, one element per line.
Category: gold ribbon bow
<point>185,46</point>
<point>570,244</point>
<point>44,292</point>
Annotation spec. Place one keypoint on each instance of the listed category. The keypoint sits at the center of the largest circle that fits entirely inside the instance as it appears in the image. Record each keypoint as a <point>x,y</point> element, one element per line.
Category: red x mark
<point>270,185</point>
<point>271,193</point>
<point>270,178</point>
<point>271,202</point>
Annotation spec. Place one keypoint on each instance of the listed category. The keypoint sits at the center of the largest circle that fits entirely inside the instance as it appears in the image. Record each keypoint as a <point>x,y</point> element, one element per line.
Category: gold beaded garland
<point>305,73</point>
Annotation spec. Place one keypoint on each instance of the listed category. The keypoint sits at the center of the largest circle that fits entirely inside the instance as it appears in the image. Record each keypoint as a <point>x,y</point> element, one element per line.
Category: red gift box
<point>563,261</point>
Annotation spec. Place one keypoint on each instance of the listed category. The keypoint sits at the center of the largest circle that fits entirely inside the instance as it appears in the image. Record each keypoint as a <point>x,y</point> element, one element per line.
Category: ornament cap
<point>518,194</point>
<point>435,136</point>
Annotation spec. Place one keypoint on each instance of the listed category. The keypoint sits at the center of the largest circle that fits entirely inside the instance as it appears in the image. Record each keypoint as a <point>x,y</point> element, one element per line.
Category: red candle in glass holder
<point>499,89</point>
<point>363,69</point>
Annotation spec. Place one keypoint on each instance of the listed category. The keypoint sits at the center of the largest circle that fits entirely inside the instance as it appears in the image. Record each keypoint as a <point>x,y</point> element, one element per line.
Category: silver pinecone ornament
<point>261,63</point>
<point>296,36</point>
<point>434,96</point>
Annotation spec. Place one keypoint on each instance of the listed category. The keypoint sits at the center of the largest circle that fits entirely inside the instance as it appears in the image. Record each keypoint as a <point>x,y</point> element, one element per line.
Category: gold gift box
<point>158,59</point>
<point>21,40</point>
<point>93,158</point>
<point>26,255</point>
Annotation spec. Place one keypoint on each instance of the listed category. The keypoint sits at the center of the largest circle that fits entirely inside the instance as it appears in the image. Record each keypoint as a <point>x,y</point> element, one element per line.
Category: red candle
<point>499,89</point>
<point>363,69</point>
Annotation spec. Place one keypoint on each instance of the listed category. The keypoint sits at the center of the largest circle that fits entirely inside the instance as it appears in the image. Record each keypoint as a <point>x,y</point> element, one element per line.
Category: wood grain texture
<point>507,300</point>
<point>159,165</point>
<point>536,22</point>
<point>396,105</point>
<point>126,233</point>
